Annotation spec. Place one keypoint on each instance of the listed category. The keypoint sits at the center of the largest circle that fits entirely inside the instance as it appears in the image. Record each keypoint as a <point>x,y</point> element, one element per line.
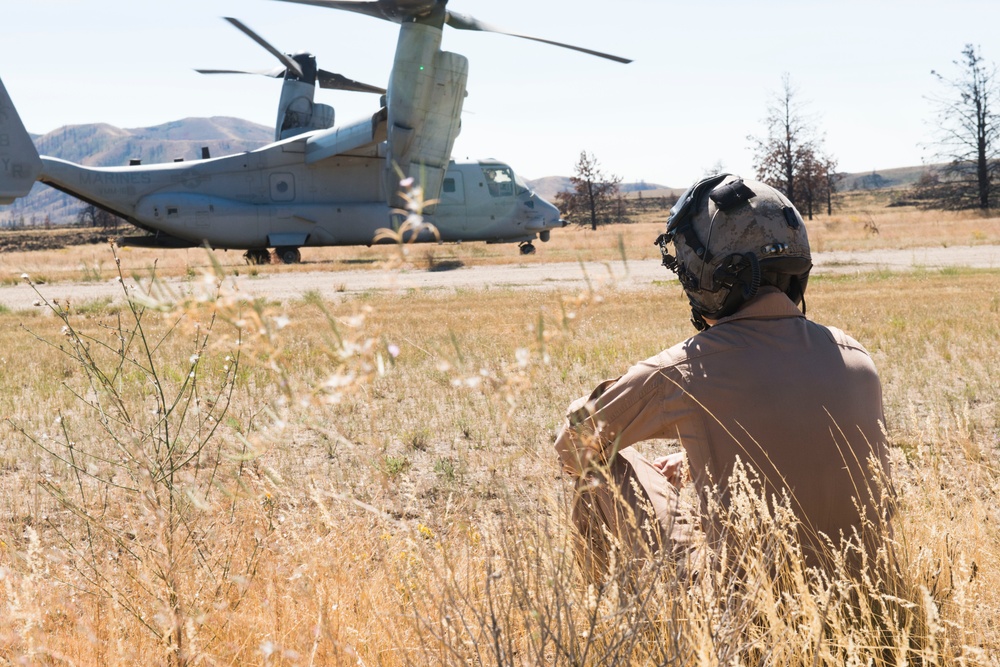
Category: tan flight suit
<point>799,402</point>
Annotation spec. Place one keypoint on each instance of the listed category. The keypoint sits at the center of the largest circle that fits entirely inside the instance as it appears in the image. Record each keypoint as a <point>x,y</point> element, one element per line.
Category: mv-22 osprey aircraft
<point>317,184</point>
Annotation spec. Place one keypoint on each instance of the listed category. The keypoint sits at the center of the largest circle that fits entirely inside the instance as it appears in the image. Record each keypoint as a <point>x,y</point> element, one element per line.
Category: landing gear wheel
<point>288,255</point>
<point>527,248</point>
<point>257,256</point>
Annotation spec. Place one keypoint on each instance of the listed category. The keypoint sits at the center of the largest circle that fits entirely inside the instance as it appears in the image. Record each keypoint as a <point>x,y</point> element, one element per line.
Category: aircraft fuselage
<point>274,197</point>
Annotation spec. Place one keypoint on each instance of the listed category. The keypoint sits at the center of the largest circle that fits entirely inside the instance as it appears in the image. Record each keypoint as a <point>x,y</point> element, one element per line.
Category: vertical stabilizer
<point>19,161</point>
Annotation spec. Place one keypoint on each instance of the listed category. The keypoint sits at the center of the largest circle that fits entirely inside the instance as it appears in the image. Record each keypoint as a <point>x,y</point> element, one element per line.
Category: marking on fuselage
<point>15,169</point>
<point>126,191</point>
<point>91,178</point>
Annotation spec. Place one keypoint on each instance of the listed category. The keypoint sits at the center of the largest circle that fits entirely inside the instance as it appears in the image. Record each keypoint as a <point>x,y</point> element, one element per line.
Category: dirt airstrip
<point>281,287</point>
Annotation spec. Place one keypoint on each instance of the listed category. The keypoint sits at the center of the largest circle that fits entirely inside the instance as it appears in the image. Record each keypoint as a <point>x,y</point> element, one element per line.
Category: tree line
<point>791,155</point>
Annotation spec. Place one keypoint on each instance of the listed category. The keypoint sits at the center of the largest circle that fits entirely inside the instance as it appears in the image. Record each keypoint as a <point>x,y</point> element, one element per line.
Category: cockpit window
<point>520,185</point>
<point>449,185</point>
<point>500,181</point>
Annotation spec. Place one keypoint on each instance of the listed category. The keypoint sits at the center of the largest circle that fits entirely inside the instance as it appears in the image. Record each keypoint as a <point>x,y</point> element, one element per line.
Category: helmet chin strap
<point>741,275</point>
<point>698,320</point>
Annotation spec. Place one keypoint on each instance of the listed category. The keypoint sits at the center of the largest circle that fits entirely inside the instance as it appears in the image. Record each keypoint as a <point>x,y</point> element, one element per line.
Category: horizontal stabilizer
<point>19,161</point>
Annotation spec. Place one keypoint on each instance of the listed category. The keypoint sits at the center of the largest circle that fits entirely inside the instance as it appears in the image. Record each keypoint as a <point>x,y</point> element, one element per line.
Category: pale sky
<point>700,83</point>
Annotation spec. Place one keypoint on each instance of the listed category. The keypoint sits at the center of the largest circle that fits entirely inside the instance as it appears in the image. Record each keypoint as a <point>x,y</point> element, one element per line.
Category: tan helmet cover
<point>730,234</point>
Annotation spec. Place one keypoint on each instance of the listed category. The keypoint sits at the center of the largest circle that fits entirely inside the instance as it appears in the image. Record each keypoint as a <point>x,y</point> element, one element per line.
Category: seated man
<point>798,403</point>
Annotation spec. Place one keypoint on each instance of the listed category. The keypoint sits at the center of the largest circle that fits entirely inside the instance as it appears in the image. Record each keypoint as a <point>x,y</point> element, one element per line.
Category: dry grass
<point>373,484</point>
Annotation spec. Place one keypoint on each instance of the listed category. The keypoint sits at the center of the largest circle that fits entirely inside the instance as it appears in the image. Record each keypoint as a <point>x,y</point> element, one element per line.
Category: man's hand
<point>671,466</point>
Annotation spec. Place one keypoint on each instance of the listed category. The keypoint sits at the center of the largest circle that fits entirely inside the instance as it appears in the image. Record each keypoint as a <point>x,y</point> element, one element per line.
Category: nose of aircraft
<point>550,215</point>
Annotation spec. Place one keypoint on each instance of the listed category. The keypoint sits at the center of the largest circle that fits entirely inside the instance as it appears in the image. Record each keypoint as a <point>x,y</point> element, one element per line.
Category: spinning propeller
<point>293,66</point>
<point>404,11</point>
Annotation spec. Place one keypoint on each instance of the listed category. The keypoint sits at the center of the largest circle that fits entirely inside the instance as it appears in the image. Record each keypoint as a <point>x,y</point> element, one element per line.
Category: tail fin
<point>19,161</point>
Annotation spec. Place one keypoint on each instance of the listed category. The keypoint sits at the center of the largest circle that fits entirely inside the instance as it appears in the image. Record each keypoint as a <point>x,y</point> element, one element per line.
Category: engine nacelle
<point>297,112</point>
<point>426,93</point>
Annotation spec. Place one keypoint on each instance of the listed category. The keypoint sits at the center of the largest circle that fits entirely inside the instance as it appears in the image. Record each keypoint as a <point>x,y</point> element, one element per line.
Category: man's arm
<point>577,442</point>
<point>644,403</point>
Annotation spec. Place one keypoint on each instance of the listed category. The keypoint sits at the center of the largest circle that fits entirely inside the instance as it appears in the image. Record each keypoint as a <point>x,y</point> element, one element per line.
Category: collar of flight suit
<point>770,303</point>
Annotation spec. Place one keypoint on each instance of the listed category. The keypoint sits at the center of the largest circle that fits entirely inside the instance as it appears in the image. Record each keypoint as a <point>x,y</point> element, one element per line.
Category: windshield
<point>500,181</point>
<point>520,185</point>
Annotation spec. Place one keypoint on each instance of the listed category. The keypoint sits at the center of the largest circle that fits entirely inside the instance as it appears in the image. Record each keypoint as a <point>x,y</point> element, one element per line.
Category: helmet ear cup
<point>740,277</point>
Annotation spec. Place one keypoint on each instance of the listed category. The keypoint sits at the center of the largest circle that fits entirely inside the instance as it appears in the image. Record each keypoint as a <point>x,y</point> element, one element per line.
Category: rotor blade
<point>275,72</point>
<point>465,22</point>
<point>340,82</point>
<point>285,60</point>
<point>399,10</point>
<point>375,9</point>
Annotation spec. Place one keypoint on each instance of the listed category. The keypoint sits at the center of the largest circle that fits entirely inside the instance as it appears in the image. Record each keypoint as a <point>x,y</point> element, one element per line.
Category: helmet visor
<point>689,201</point>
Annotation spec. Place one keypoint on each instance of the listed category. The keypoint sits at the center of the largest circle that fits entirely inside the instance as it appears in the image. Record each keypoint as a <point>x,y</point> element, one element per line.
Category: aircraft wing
<point>346,138</point>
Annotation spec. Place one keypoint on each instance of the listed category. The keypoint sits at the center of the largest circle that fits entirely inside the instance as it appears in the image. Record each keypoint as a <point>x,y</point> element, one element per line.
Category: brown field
<point>371,482</point>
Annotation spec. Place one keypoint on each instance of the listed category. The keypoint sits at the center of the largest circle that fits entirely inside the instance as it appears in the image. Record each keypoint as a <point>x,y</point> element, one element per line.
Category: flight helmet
<point>730,236</point>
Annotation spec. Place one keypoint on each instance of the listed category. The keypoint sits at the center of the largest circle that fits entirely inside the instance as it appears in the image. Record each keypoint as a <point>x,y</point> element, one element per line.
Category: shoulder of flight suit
<point>840,338</point>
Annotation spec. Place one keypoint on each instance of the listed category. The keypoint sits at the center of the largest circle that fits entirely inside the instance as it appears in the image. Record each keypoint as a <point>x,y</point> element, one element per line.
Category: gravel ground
<point>562,275</point>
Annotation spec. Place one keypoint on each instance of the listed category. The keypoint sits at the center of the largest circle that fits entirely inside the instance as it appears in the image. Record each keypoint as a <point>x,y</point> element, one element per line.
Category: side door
<point>451,212</point>
<point>497,190</point>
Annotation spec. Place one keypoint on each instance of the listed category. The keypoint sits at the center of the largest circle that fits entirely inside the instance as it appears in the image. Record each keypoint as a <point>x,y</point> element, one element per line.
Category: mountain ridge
<point>104,145</point>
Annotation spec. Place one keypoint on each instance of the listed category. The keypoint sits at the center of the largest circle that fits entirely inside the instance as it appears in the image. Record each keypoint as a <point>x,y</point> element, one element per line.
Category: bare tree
<point>718,167</point>
<point>87,216</point>
<point>832,181</point>
<point>790,156</point>
<point>595,195</point>
<point>966,140</point>
<point>93,216</point>
<point>816,182</point>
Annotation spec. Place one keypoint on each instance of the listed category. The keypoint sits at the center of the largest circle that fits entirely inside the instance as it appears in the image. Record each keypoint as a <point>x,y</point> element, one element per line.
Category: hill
<point>881,179</point>
<point>549,186</point>
<point>884,178</point>
<point>102,145</point>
